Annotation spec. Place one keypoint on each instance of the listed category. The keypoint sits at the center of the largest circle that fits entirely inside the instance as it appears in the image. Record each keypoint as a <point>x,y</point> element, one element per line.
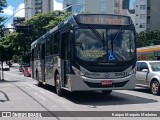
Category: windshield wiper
<point>96,33</point>
<point>113,39</point>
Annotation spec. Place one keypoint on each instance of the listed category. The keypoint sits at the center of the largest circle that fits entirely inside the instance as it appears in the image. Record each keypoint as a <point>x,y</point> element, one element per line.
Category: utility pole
<point>2,72</point>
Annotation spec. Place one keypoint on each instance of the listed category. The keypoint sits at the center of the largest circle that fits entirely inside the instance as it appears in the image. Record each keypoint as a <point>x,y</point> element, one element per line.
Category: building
<point>147,15</point>
<point>153,15</point>
<point>97,6</point>
<point>18,21</point>
<point>67,5</point>
<point>6,32</point>
<point>140,15</point>
<point>126,4</point>
<point>37,6</point>
<point>132,15</point>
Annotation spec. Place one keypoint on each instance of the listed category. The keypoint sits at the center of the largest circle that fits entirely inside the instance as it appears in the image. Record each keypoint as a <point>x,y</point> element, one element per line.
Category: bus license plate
<point>106,82</point>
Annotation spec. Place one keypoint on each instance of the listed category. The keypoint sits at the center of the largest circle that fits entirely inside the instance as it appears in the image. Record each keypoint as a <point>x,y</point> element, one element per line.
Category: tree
<point>148,38</point>
<point>3,3</point>
<point>45,21</point>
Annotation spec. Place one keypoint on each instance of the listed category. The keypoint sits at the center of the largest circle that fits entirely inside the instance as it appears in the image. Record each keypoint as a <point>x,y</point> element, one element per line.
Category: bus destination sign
<point>104,19</point>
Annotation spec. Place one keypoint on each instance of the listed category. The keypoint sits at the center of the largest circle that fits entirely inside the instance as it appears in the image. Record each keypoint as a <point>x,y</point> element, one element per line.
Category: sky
<point>131,3</point>
<point>14,5</point>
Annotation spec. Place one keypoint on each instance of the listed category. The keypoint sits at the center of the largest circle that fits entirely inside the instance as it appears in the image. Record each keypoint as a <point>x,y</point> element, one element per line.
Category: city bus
<point>87,52</point>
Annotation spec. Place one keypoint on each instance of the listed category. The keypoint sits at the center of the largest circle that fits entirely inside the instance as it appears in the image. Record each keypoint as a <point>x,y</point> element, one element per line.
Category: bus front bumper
<point>80,83</point>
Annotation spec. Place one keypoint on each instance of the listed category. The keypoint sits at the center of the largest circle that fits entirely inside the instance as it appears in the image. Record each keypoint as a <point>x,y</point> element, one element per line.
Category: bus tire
<point>106,92</point>
<point>155,87</point>
<point>59,90</point>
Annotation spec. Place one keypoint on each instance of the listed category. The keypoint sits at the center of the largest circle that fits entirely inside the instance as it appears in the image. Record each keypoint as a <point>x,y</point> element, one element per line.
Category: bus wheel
<point>59,90</point>
<point>155,88</point>
<point>106,92</point>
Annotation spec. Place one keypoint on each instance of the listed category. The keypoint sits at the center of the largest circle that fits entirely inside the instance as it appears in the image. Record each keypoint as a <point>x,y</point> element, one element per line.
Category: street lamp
<point>14,14</point>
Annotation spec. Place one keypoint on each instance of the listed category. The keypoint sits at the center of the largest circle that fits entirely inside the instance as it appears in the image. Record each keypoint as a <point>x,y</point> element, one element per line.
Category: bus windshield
<point>104,45</point>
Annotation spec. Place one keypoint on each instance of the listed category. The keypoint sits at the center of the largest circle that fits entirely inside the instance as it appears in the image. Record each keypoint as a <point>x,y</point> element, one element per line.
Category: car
<point>22,66</point>
<point>5,67</point>
<point>27,71</point>
<point>148,75</point>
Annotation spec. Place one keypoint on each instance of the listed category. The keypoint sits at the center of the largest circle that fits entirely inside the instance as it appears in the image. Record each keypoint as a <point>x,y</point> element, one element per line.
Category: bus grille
<point>99,85</point>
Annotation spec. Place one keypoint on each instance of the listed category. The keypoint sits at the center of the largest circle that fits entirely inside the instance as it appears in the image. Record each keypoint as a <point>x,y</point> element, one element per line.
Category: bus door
<point>65,58</point>
<point>42,64</point>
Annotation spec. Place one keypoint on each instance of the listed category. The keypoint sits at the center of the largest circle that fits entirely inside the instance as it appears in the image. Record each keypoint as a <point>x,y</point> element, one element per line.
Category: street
<point>19,93</point>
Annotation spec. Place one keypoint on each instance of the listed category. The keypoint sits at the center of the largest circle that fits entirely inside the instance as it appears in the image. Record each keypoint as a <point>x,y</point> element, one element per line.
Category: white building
<point>37,6</point>
<point>97,6</point>
<point>140,15</point>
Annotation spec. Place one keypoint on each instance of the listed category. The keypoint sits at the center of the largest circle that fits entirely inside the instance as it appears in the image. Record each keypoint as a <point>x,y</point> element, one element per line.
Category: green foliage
<point>3,4</point>
<point>15,58</point>
<point>45,21</point>
<point>148,38</point>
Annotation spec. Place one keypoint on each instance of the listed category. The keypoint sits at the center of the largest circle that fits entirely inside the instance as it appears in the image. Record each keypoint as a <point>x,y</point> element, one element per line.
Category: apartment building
<point>153,15</point>
<point>37,6</point>
<point>140,15</point>
<point>147,15</point>
<point>18,21</point>
<point>97,6</point>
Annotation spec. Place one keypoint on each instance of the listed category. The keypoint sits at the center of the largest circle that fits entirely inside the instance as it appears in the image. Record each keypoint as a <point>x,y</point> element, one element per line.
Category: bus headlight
<point>77,72</point>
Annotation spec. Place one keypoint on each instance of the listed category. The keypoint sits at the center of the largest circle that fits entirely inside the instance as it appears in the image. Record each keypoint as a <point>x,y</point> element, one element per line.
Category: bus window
<point>43,51</point>
<point>48,50</point>
<point>56,43</point>
<point>51,44</point>
<point>32,54</point>
<point>65,45</point>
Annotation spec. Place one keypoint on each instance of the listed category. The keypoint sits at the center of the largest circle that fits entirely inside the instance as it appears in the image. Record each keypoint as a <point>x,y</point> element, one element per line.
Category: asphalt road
<point>19,93</point>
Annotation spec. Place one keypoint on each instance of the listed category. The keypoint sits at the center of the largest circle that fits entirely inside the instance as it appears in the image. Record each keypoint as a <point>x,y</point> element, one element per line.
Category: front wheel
<point>107,92</point>
<point>155,88</point>
<point>59,90</point>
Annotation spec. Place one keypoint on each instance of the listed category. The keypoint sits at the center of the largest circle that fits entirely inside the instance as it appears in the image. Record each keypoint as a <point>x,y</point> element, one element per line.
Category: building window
<point>142,7</point>
<point>142,25</point>
<point>142,16</point>
<point>103,6</point>
<point>78,6</point>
